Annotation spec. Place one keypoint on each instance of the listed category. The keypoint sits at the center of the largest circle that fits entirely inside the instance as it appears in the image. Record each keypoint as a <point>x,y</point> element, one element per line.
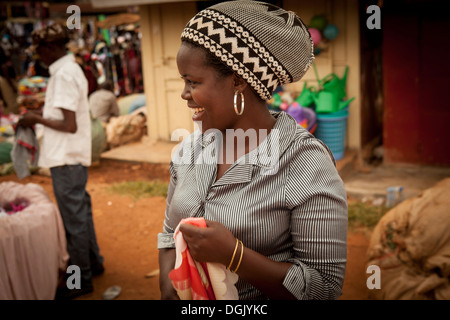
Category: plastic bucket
<point>332,130</point>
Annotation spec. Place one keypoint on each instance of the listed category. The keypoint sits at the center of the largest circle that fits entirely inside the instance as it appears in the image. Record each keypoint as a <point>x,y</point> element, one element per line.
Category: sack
<point>127,128</point>
<point>411,245</point>
<point>98,139</point>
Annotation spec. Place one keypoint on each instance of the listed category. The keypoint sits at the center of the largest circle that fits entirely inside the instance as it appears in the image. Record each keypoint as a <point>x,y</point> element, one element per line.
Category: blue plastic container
<point>332,130</point>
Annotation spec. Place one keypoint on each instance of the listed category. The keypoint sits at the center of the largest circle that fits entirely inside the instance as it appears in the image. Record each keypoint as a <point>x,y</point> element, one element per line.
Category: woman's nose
<point>186,94</point>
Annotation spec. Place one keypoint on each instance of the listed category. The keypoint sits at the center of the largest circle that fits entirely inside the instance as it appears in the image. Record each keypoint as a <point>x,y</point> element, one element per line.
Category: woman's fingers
<point>190,231</point>
<point>210,244</point>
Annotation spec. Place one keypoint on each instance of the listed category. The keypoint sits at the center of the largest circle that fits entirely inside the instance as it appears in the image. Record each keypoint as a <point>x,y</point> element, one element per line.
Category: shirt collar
<point>207,138</point>
<point>276,142</point>
<point>55,66</point>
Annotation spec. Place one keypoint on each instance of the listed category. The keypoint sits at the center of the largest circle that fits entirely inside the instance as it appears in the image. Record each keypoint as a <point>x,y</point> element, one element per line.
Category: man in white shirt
<point>66,150</point>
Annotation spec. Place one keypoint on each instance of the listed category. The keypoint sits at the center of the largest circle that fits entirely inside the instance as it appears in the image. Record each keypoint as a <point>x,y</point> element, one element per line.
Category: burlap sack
<point>127,128</point>
<point>411,245</point>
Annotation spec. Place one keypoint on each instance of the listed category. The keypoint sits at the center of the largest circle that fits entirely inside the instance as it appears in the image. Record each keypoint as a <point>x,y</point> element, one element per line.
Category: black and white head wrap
<point>265,45</point>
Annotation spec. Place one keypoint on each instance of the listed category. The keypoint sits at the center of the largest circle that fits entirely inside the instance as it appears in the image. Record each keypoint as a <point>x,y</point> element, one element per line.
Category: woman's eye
<point>189,82</point>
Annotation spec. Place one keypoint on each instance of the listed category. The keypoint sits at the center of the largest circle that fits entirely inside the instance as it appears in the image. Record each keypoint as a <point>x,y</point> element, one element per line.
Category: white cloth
<point>103,105</point>
<point>67,89</point>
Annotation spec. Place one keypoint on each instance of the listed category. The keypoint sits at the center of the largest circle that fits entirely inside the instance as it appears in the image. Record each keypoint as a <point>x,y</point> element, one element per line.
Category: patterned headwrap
<point>265,45</point>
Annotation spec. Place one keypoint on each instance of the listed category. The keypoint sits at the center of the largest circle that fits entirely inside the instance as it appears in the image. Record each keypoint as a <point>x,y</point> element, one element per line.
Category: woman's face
<point>209,95</point>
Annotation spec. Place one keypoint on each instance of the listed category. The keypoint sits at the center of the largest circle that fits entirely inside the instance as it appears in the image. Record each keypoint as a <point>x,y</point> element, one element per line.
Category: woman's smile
<point>198,113</point>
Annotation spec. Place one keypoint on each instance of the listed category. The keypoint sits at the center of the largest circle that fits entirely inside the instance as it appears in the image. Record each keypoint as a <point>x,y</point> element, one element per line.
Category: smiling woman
<point>281,225</point>
<point>205,90</point>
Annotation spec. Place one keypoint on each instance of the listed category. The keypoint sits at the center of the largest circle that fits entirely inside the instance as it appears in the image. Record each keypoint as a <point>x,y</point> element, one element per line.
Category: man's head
<point>107,85</point>
<point>50,42</point>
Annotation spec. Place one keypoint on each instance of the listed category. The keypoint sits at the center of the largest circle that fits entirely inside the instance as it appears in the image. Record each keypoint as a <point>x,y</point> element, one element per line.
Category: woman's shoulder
<point>295,142</point>
<point>304,142</point>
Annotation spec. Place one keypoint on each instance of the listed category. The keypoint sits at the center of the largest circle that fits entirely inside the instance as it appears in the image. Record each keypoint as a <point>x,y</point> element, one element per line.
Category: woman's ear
<point>239,83</point>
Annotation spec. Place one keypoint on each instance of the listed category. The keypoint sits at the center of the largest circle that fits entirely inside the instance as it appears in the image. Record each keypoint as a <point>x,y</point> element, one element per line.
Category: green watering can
<point>332,83</point>
<point>276,101</point>
<point>306,97</point>
<point>332,91</point>
<point>329,96</point>
<point>329,102</point>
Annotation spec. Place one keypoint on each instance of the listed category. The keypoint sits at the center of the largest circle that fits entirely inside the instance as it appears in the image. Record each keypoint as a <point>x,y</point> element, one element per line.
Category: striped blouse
<point>291,210</point>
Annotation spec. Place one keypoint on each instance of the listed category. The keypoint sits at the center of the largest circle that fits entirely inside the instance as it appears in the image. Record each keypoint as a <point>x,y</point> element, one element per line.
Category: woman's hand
<point>166,263</point>
<point>216,244</point>
<point>212,244</point>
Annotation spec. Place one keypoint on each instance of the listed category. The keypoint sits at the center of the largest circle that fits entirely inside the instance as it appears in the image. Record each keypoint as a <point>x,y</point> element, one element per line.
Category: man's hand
<point>29,119</point>
<point>33,102</point>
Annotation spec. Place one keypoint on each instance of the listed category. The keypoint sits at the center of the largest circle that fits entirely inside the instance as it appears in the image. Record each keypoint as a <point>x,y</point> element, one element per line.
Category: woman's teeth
<point>197,110</point>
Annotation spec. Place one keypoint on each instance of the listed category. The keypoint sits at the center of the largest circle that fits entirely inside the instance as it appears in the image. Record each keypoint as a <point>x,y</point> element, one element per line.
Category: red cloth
<point>197,280</point>
<point>187,276</point>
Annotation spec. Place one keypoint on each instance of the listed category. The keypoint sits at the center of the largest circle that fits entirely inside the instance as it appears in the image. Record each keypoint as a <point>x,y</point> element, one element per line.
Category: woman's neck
<point>246,136</point>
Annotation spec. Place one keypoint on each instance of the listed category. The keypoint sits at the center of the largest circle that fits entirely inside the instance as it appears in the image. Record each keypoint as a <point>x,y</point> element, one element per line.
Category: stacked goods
<point>33,88</point>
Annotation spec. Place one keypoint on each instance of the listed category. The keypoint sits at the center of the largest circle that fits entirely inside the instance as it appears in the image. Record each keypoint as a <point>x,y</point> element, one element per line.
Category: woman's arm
<point>166,264</point>
<point>318,225</point>
<point>264,274</point>
<point>166,246</point>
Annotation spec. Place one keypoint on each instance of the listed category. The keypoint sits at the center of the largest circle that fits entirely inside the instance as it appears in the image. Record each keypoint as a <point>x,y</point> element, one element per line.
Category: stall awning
<point>118,20</point>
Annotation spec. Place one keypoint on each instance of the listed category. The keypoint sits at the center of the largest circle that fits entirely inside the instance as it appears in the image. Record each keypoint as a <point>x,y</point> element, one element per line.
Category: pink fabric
<point>32,244</point>
<point>200,281</point>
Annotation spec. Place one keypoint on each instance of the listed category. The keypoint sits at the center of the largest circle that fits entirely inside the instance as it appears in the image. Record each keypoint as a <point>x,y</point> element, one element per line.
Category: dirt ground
<point>127,233</point>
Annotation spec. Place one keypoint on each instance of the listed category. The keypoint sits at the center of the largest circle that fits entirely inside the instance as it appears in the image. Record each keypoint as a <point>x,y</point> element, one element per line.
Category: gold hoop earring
<point>242,103</point>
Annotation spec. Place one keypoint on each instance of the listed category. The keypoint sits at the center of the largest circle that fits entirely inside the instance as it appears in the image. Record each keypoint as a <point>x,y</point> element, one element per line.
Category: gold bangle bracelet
<point>240,259</point>
<point>234,253</point>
